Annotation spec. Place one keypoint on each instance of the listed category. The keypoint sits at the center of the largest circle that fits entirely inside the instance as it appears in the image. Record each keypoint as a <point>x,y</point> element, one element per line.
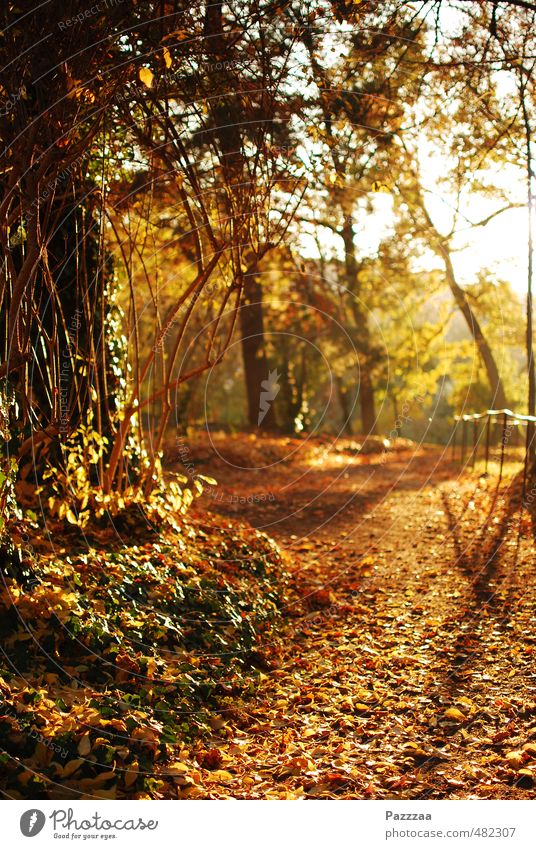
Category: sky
<point>500,246</point>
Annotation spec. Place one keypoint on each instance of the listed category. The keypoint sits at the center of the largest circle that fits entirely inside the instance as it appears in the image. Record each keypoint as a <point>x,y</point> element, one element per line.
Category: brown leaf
<point>71,767</point>
<point>211,759</point>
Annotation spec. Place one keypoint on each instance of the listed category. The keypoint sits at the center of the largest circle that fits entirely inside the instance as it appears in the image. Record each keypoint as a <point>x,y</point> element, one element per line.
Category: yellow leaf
<point>167,58</point>
<point>132,774</point>
<point>455,714</point>
<point>71,517</point>
<point>467,702</point>
<point>176,768</point>
<point>207,479</point>
<point>146,735</point>
<point>515,759</point>
<point>84,746</point>
<point>146,76</point>
<point>220,776</point>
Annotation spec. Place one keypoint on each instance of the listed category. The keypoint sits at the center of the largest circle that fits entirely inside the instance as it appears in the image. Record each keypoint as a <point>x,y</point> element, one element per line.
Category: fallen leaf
<point>516,758</point>
<point>71,767</point>
<point>211,759</point>
<point>220,776</point>
<point>84,745</point>
<point>455,715</point>
<point>177,768</point>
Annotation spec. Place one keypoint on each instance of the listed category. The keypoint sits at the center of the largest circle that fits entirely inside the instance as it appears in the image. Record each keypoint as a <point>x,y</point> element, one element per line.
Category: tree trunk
<point>363,341</point>
<point>498,395</point>
<point>256,367</point>
<point>531,400</point>
<point>368,407</point>
<point>343,393</point>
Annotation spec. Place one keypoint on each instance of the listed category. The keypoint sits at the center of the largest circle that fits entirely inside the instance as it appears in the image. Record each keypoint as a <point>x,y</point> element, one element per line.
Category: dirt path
<point>406,671</point>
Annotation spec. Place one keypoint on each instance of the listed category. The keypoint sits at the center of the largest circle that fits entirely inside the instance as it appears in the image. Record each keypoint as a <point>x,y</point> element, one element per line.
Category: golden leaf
<point>132,774</point>
<point>209,480</point>
<point>220,776</point>
<point>177,768</point>
<point>454,714</point>
<point>84,746</point>
<point>146,76</point>
<point>515,759</point>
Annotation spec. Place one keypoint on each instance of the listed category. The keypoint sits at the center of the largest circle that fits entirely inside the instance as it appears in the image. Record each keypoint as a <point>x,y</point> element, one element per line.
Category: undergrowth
<point>118,655</point>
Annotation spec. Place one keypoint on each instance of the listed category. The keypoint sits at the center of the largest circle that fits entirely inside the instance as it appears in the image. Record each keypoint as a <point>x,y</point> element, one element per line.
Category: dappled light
<point>267,401</point>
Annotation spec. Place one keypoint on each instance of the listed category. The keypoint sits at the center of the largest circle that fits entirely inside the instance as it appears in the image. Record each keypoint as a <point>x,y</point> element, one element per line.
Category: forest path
<point>406,670</point>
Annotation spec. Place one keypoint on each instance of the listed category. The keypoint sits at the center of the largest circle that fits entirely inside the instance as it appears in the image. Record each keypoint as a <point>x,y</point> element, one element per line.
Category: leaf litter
<point>395,662</point>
